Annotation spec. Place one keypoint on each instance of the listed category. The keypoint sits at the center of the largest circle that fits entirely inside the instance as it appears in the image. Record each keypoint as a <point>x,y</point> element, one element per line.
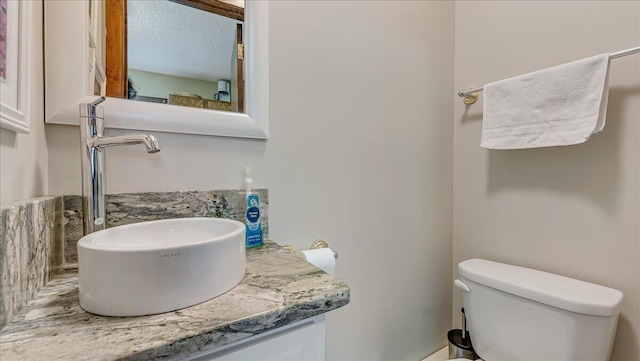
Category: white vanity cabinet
<point>300,341</point>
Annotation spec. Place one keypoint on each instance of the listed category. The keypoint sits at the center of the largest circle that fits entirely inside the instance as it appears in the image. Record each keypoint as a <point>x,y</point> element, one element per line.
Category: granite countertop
<point>278,289</point>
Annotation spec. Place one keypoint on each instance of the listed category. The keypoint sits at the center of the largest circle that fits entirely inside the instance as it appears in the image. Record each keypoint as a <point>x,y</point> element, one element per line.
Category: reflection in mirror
<point>183,52</point>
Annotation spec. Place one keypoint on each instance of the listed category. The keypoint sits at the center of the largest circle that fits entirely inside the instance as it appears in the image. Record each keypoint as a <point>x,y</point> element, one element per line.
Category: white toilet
<point>516,313</point>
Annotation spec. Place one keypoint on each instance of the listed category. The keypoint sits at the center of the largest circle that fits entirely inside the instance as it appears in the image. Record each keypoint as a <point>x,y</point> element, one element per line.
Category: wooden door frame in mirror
<point>116,48</point>
<point>69,91</point>
<point>215,7</point>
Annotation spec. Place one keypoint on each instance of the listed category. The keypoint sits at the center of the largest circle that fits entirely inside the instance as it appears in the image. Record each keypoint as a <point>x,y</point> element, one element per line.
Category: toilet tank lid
<point>548,288</point>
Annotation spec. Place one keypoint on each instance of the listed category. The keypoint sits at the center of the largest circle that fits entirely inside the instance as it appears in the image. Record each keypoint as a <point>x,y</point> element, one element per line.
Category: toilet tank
<point>516,313</point>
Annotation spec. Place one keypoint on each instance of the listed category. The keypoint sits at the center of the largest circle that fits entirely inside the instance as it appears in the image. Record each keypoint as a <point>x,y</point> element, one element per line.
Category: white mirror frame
<point>14,90</point>
<point>130,114</point>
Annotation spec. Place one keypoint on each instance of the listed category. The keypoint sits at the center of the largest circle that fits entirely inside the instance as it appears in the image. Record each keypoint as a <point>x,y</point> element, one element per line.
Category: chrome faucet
<point>92,143</point>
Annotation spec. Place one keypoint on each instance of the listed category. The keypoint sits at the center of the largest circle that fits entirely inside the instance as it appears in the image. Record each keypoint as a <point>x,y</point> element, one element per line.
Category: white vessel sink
<point>159,266</point>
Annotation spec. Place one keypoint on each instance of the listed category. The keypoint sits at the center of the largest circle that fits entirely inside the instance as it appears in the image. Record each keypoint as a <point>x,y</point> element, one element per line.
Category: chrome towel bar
<point>470,96</point>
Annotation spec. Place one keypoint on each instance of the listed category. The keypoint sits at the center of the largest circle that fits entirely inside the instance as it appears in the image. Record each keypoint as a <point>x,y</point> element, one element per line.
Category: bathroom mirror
<point>180,52</point>
<point>72,43</point>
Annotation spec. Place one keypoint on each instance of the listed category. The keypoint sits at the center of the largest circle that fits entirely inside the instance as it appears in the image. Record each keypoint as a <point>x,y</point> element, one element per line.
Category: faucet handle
<point>90,109</point>
<point>98,101</point>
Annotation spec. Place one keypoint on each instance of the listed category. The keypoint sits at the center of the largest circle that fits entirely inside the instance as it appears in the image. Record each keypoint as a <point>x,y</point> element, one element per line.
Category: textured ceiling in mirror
<point>169,38</point>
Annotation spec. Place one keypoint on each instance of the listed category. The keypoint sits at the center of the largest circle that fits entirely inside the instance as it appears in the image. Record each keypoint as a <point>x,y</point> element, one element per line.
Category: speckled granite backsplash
<point>138,207</point>
<point>30,242</point>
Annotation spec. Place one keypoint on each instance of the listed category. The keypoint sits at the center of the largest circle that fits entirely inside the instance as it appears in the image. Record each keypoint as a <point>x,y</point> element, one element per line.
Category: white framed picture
<point>15,62</point>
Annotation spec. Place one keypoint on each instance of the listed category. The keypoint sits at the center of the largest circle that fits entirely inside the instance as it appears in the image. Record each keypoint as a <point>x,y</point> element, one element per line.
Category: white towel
<point>562,105</point>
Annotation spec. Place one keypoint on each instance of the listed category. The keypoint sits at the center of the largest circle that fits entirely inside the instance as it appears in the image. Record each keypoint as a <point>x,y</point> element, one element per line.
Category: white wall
<point>23,157</point>
<point>360,155</point>
<point>569,210</point>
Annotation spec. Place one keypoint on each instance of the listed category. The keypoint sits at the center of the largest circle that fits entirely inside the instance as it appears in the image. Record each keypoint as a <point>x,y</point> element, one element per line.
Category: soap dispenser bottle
<point>252,217</point>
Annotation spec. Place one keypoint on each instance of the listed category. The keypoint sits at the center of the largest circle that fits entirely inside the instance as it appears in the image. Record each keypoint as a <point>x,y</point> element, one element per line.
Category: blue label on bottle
<point>254,229</point>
